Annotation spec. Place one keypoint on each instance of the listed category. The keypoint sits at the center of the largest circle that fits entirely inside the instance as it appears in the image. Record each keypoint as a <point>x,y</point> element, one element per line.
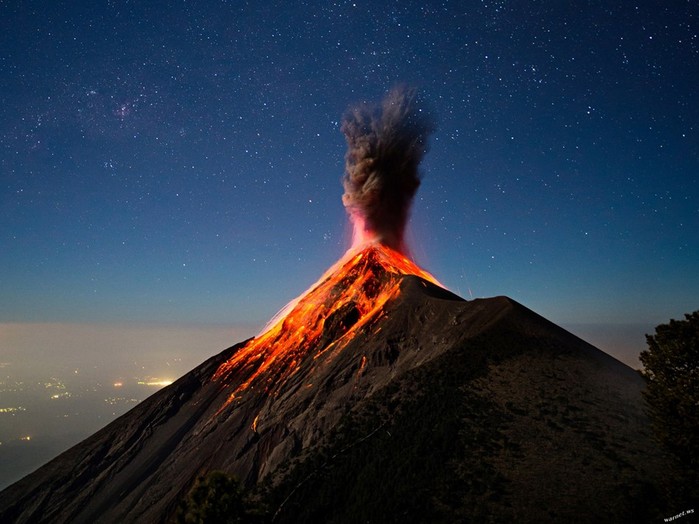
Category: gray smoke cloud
<point>386,143</point>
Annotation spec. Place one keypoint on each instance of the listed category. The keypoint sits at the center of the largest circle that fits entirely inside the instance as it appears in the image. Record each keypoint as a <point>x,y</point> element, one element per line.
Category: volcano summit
<point>377,396</point>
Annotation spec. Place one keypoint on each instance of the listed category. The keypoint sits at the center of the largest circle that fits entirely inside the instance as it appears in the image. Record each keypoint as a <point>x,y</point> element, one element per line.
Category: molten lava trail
<point>350,295</point>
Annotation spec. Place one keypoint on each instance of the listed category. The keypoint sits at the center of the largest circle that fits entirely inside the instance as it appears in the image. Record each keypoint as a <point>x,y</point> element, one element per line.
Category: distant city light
<point>161,383</point>
<point>12,410</point>
<point>114,401</point>
<point>65,394</point>
<point>118,384</point>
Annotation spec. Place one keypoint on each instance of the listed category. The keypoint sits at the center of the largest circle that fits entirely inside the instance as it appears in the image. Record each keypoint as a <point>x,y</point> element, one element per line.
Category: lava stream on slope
<point>350,295</point>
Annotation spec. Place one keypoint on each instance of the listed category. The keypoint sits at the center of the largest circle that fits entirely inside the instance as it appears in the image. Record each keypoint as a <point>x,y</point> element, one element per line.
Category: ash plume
<point>386,143</point>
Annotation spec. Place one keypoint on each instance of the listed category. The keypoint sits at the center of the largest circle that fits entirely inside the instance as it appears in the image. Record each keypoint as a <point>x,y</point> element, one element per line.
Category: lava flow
<point>350,295</point>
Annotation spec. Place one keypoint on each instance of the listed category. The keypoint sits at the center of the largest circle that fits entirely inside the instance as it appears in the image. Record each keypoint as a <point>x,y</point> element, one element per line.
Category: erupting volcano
<point>385,146</point>
<point>376,396</point>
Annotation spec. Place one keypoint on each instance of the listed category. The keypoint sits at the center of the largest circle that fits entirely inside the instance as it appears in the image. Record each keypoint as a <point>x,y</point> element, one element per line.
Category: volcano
<point>377,396</point>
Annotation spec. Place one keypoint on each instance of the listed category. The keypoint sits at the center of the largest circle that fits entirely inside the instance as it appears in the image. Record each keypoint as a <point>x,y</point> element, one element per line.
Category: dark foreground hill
<point>439,410</point>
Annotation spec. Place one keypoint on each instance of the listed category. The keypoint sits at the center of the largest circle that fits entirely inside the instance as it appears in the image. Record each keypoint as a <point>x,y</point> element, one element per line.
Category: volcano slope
<point>380,398</point>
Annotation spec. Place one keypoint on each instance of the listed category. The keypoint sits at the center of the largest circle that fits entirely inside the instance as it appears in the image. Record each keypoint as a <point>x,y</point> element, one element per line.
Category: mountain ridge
<point>138,467</point>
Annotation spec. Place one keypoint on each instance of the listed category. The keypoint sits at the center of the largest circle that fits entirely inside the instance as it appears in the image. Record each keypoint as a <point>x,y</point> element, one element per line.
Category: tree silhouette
<point>216,498</point>
<point>671,368</point>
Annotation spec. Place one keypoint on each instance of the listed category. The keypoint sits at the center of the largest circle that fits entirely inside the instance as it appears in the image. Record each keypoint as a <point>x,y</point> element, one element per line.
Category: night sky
<point>181,162</point>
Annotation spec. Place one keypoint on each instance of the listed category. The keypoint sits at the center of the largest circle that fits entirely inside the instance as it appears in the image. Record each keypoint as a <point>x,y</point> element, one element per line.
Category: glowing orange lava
<point>350,295</point>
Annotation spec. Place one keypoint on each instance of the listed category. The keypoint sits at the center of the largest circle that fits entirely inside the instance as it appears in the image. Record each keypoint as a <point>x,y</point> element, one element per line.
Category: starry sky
<point>180,162</point>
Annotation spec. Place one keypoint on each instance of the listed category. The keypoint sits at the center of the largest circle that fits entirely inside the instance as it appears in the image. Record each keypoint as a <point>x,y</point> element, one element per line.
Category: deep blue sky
<point>181,162</point>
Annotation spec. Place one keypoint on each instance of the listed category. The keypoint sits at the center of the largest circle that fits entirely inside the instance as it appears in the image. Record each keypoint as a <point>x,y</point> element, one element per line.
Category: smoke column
<point>385,144</point>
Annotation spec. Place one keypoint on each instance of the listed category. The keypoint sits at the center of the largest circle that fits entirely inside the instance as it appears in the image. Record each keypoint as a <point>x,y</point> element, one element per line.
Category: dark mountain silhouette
<point>378,397</point>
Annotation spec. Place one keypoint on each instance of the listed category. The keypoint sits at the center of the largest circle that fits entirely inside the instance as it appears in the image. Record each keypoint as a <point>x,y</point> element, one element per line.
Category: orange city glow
<point>155,382</point>
<point>351,288</point>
